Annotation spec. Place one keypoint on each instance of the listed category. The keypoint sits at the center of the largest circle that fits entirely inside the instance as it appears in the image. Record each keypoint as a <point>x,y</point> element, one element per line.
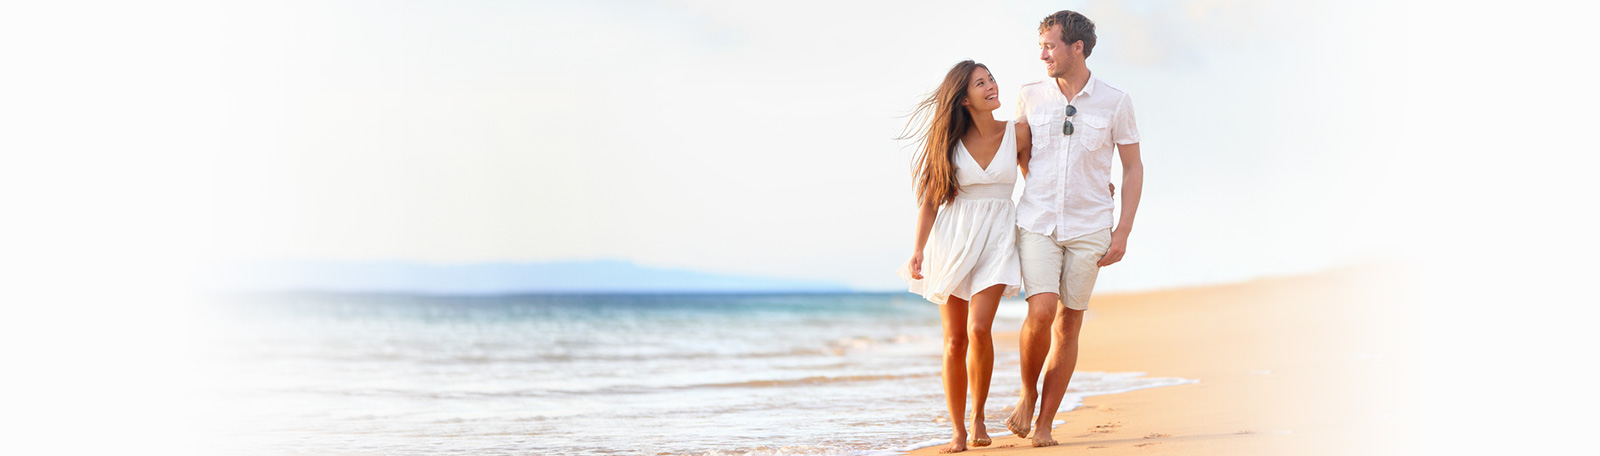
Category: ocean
<point>709,374</point>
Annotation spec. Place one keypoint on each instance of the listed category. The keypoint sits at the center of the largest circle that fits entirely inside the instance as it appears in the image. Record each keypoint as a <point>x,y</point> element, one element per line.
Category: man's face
<point>1058,56</point>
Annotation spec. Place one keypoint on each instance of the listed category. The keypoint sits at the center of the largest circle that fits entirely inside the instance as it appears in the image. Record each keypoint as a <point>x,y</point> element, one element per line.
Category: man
<point>1064,220</point>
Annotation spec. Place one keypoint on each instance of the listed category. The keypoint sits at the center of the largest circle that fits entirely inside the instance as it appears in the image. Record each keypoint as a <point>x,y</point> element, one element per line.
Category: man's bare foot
<point>980,433</point>
<point>1043,438</point>
<point>1021,417</point>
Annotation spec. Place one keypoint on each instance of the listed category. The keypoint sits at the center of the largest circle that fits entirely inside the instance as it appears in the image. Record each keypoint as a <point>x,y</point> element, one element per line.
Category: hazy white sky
<point>757,138</point>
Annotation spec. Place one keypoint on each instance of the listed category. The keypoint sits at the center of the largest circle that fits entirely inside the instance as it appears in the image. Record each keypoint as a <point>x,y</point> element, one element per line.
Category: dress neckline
<point>1010,130</point>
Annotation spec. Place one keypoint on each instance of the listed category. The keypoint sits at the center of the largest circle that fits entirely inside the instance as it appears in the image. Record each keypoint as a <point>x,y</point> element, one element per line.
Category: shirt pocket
<point>1094,132</point>
<point>1039,129</point>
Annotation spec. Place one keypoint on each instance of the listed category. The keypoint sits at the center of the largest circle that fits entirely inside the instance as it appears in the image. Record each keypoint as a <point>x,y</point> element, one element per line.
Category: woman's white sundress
<point>973,242</point>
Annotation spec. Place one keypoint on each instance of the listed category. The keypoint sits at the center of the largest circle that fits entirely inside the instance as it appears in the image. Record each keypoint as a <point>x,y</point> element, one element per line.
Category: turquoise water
<point>593,374</point>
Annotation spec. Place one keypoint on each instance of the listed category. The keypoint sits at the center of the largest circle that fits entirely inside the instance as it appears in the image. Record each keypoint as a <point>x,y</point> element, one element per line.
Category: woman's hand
<point>916,266</point>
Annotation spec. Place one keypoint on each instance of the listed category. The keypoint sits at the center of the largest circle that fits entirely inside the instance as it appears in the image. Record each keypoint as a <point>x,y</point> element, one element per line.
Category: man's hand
<point>1119,245</point>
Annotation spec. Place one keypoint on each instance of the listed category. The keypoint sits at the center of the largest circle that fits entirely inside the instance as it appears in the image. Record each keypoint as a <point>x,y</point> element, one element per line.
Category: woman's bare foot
<point>1021,417</point>
<point>980,434</point>
<point>956,447</point>
<point>957,442</point>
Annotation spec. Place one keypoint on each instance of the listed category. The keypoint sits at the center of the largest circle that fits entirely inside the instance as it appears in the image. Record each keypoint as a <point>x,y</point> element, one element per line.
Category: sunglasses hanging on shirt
<point>1066,128</point>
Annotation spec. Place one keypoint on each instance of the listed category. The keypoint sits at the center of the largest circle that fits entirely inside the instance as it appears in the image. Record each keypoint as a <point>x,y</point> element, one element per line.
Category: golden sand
<point>1310,365</point>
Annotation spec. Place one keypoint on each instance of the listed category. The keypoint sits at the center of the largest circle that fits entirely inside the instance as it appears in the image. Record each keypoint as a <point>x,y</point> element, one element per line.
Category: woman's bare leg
<point>980,357</point>
<point>954,315</point>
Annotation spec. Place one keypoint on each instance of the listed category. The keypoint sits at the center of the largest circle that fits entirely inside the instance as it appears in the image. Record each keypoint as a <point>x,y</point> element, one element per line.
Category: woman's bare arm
<point>925,217</point>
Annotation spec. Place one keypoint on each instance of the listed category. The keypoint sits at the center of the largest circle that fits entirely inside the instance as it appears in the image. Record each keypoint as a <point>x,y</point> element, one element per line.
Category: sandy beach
<point>1317,364</point>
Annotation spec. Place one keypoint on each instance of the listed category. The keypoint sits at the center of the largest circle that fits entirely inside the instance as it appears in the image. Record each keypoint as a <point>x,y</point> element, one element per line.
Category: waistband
<point>997,190</point>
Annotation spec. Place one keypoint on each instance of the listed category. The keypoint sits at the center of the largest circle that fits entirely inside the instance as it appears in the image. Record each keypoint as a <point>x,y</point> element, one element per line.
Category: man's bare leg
<point>1035,346</point>
<point>1058,369</point>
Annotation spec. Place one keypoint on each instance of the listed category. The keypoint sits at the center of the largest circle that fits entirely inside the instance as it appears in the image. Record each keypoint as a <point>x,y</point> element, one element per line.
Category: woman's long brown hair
<point>938,122</point>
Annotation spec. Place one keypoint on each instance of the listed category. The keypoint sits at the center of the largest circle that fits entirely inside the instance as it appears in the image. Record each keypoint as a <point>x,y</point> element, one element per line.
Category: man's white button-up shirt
<point>1065,195</point>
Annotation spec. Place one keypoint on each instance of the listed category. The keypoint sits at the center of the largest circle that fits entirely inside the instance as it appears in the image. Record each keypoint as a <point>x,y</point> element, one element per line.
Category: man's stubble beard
<point>1060,72</point>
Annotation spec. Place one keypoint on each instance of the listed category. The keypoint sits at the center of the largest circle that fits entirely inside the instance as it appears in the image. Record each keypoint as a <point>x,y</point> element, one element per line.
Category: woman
<point>966,257</point>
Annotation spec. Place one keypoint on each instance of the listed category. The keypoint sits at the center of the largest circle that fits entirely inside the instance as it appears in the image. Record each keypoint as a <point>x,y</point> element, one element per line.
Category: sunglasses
<point>1066,128</point>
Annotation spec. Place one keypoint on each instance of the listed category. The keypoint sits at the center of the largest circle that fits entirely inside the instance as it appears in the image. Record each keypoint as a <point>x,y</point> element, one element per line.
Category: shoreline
<point>1314,364</point>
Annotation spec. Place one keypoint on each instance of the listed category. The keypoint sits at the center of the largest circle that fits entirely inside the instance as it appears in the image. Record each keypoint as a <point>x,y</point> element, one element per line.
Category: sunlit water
<point>595,374</point>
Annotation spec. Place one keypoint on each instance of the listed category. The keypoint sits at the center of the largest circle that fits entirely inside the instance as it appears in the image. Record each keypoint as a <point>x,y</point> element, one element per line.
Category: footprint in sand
<point>1096,447</point>
<point>1157,435</point>
<point>1104,428</point>
<point>1147,444</point>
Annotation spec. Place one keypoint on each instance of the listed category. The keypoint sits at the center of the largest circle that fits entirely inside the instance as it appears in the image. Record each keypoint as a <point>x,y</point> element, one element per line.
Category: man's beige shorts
<point>1067,268</point>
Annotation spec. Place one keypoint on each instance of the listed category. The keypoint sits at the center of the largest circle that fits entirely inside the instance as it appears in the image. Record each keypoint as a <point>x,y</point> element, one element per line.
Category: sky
<point>742,137</point>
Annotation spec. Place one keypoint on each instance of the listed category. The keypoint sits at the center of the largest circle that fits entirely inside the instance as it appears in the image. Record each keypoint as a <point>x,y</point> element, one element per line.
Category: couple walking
<point>973,246</point>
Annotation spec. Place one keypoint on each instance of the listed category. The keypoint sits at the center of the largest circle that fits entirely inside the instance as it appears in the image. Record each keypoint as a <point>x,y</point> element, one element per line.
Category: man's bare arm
<point>1132,186</point>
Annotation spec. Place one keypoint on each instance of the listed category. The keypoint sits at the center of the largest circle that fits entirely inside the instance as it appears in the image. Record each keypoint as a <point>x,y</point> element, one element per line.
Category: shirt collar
<point>1088,87</point>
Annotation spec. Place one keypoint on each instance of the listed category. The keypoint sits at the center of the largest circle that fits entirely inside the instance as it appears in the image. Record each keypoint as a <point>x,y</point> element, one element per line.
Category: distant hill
<point>603,276</point>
